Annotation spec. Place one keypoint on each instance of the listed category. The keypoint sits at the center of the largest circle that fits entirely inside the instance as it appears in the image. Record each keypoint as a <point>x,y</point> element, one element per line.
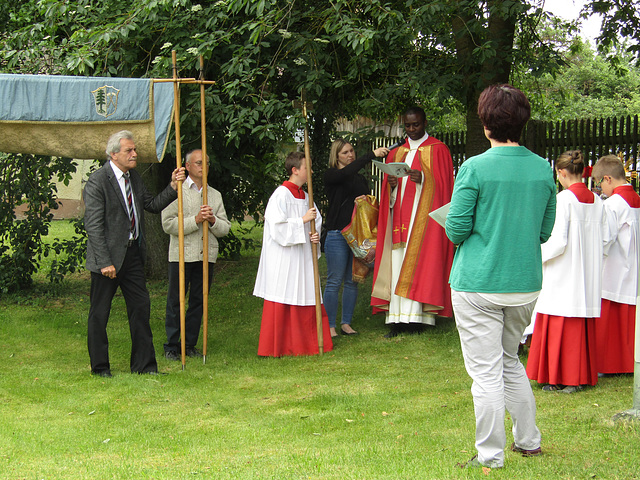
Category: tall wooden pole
<point>314,246</point>
<point>205,224</point>
<point>176,100</point>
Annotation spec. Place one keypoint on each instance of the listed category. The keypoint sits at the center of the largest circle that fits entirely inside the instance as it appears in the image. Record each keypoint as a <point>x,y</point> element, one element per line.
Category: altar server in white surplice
<point>615,329</point>
<point>285,274</point>
<point>563,347</point>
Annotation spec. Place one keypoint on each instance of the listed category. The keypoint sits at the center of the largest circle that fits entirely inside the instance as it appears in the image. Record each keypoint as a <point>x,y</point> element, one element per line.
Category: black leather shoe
<point>392,333</point>
<point>171,355</point>
<point>102,373</point>
<point>192,352</point>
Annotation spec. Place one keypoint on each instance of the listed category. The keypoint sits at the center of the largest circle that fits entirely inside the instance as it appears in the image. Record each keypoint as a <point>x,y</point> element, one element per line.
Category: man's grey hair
<point>187,159</point>
<point>113,144</point>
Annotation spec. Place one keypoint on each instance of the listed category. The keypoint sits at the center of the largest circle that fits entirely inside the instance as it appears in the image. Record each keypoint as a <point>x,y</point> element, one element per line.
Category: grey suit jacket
<point>106,218</point>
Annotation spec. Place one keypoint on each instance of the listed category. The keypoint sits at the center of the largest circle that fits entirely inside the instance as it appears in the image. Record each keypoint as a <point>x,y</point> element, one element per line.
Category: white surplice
<point>620,268</point>
<point>572,260</point>
<point>285,273</point>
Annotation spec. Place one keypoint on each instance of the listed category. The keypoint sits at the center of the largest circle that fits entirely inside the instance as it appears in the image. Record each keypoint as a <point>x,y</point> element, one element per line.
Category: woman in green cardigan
<point>502,210</point>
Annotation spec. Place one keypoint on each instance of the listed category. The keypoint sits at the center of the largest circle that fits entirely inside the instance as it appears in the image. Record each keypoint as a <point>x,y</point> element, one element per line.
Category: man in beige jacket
<point>194,215</point>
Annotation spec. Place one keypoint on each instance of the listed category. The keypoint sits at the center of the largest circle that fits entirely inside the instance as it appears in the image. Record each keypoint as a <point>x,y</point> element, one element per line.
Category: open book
<point>396,169</point>
<point>440,214</point>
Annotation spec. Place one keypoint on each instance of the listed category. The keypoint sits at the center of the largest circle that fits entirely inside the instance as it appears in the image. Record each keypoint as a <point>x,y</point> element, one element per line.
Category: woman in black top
<point>342,184</point>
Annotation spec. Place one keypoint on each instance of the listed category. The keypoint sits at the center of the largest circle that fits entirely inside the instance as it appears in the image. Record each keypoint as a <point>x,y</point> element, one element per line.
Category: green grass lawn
<point>371,409</point>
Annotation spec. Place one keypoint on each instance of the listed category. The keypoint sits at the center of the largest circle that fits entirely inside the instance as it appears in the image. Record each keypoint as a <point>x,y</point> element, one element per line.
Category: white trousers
<point>490,335</point>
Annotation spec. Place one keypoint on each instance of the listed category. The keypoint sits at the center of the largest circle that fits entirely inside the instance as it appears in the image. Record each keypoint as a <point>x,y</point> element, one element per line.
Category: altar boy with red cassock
<point>615,329</point>
<point>285,274</point>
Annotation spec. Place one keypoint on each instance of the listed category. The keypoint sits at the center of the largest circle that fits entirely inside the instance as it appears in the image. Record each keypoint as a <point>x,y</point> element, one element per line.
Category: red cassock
<point>424,276</point>
<point>616,327</point>
<point>291,330</point>
<point>288,329</point>
<point>563,351</point>
<point>615,335</point>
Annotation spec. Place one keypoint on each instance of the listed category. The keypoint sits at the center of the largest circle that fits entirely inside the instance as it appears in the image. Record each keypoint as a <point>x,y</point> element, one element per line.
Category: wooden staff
<point>205,224</point>
<point>176,101</point>
<point>314,246</point>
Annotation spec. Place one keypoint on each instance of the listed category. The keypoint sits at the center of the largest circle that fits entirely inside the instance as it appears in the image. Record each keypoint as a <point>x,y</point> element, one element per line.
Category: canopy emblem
<point>106,100</point>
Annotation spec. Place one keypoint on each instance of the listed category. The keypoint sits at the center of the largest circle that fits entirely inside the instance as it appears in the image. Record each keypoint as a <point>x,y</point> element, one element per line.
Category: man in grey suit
<point>115,200</point>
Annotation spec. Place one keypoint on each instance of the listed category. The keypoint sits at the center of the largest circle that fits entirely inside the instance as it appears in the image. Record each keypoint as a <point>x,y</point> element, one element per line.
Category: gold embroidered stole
<point>419,225</point>
<point>382,285</point>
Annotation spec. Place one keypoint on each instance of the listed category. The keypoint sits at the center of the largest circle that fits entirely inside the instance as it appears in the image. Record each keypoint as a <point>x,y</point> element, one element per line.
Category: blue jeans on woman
<point>339,267</point>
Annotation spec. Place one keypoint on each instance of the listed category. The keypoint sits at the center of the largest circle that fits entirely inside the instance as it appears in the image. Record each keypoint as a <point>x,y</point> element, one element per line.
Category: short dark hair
<point>504,111</point>
<point>609,165</point>
<point>572,161</point>
<point>415,110</point>
<point>294,159</point>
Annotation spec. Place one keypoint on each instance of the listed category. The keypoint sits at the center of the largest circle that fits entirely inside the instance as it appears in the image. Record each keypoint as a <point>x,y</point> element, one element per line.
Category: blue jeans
<point>339,266</point>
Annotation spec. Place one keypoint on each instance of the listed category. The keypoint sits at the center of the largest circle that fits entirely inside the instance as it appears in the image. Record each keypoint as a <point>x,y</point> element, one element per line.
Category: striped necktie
<point>132,216</point>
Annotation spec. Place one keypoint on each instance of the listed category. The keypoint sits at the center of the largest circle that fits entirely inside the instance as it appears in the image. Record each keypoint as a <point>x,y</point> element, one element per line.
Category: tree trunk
<point>499,34</point>
<point>476,142</point>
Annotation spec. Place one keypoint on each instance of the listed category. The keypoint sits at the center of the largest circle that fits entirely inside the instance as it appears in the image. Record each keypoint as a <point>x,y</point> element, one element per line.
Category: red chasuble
<point>424,276</point>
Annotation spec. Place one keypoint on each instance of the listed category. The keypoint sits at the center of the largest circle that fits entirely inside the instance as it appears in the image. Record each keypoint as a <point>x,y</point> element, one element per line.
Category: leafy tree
<point>585,85</point>
<point>27,182</point>
<point>620,26</point>
<point>370,58</point>
<point>352,58</point>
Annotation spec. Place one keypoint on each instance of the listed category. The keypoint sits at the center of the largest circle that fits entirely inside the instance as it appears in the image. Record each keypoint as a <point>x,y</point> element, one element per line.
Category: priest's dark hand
<point>393,181</point>
<point>415,176</point>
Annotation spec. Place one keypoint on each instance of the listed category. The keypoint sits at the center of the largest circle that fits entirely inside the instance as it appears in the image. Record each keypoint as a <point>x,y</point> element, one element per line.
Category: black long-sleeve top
<point>342,186</point>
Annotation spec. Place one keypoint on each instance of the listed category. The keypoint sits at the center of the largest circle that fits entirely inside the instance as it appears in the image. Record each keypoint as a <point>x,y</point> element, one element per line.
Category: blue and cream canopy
<point>73,117</point>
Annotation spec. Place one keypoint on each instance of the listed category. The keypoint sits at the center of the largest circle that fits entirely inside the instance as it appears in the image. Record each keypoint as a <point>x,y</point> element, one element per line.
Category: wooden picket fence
<point>596,138</point>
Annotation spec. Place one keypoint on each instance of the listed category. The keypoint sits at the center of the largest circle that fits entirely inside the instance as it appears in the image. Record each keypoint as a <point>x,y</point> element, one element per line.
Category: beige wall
<point>69,196</point>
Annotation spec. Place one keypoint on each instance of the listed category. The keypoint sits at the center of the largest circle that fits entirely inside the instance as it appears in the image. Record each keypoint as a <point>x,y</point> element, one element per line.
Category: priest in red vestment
<point>414,255</point>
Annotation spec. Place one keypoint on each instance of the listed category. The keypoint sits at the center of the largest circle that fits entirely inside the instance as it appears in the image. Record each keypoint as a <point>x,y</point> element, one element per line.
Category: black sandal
<point>552,388</point>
